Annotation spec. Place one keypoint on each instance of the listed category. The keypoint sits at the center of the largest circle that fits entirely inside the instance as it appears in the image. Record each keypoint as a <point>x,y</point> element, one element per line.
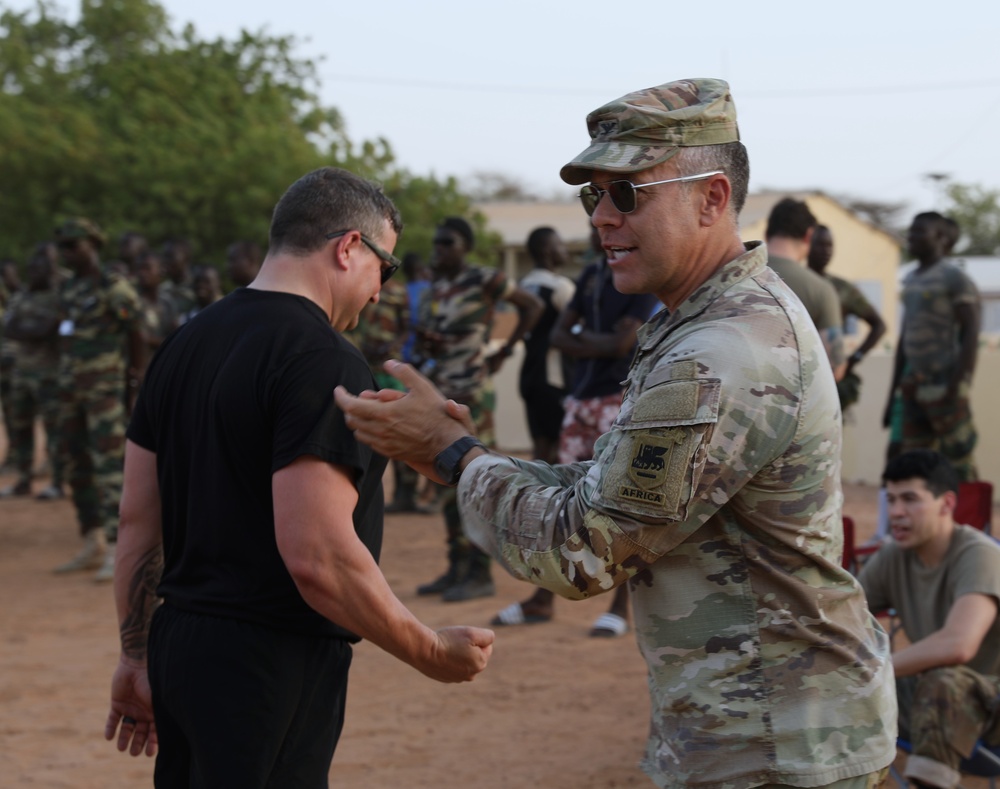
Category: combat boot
<point>457,568</point>
<point>90,555</point>
<point>107,571</point>
<point>478,582</point>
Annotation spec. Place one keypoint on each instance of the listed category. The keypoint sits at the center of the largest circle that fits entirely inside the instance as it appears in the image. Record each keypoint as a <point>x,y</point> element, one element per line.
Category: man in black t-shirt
<point>256,516</point>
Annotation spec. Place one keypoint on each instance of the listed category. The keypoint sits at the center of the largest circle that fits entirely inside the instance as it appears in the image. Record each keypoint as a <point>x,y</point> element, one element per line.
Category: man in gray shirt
<point>789,231</point>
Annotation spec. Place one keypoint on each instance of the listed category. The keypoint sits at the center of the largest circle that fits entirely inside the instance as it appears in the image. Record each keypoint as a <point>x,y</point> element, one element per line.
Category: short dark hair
<point>463,228</point>
<point>325,201</point>
<point>790,218</point>
<point>537,239</point>
<point>246,249</point>
<point>926,464</point>
<point>932,216</point>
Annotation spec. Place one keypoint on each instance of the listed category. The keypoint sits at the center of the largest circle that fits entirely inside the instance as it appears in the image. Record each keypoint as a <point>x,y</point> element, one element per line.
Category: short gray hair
<point>730,157</point>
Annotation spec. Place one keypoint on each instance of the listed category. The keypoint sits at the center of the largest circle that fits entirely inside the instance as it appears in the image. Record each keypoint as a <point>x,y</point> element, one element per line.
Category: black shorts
<point>543,405</point>
<point>242,705</point>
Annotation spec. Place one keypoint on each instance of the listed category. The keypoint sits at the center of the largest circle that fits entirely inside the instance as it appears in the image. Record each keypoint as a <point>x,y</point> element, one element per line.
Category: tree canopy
<point>120,119</point>
<point>977,211</point>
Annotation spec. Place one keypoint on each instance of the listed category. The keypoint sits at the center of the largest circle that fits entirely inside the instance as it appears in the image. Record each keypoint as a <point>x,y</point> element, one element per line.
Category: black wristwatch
<point>446,463</point>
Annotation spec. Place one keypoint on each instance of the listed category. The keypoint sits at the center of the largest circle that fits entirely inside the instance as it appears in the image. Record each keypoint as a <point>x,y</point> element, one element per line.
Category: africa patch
<point>649,465</point>
<point>649,470</point>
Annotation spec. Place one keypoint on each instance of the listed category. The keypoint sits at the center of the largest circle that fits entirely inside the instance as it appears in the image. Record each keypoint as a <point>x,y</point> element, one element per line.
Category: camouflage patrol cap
<point>649,126</point>
<point>79,227</point>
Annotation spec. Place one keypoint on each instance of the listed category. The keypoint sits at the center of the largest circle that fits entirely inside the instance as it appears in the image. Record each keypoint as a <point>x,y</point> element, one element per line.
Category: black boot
<point>457,568</point>
<point>478,582</point>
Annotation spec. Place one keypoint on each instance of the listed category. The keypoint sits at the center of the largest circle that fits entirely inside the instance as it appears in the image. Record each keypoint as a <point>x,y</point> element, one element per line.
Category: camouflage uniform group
<point>77,337</point>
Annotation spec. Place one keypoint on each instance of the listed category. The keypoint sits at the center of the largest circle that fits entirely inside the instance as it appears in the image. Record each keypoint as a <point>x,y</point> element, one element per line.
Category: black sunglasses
<point>392,263</point>
<point>622,193</point>
<point>444,241</point>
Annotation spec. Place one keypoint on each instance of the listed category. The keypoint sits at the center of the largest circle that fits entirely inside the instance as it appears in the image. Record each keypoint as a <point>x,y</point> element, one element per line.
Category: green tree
<point>977,211</point>
<point>120,119</point>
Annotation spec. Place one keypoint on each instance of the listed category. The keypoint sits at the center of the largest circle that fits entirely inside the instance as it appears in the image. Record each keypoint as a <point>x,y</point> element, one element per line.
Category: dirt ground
<point>555,708</point>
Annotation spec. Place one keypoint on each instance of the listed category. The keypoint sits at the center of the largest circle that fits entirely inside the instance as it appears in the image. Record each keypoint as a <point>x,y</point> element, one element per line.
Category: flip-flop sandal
<point>609,626</point>
<point>514,615</point>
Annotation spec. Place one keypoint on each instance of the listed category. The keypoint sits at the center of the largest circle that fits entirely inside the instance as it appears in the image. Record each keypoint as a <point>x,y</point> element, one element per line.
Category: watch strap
<point>446,464</point>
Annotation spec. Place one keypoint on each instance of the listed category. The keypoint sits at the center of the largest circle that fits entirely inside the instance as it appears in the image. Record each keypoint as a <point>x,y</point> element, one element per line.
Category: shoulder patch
<point>653,456</point>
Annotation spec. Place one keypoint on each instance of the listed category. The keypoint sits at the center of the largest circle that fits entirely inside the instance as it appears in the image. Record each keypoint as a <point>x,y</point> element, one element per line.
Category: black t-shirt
<point>231,397</point>
<point>602,307</point>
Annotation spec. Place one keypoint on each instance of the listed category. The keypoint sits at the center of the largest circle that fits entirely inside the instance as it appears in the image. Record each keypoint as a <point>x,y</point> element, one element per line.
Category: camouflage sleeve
<point>536,521</point>
<point>678,453</point>
<point>500,286</point>
<point>124,301</point>
<point>961,287</point>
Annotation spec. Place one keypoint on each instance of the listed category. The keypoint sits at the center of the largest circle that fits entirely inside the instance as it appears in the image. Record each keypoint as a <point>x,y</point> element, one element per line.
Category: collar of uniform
<point>751,262</point>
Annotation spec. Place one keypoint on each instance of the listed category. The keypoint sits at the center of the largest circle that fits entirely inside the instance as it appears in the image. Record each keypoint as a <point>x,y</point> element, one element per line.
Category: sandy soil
<point>555,708</point>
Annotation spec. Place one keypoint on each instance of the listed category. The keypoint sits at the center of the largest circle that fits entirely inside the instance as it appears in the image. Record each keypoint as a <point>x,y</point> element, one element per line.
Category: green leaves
<point>122,120</point>
<point>977,211</point>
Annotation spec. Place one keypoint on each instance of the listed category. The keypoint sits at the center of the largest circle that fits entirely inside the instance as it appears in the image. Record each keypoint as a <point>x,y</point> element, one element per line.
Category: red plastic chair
<point>975,505</point>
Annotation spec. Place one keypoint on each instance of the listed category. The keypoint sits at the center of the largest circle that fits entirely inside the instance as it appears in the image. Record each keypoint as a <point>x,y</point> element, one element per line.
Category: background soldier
<point>100,311</point>
<point>380,334</point>
<point>33,321</point>
<point>178,285</point>
<point>852,302</point>
<point>158,314</point>
<point>790,226</point>
<point>936,353</point>
<point>243,262</point>
<point>9,285</point>
<point>454,323</point>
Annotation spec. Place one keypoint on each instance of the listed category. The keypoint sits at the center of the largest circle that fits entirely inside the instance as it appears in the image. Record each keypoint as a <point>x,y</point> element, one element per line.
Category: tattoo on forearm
<point>142,602</point>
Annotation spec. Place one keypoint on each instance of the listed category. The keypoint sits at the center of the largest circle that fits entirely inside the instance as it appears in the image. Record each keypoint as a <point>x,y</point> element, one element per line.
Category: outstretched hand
<point>132,706</point>
<point>413,426</point>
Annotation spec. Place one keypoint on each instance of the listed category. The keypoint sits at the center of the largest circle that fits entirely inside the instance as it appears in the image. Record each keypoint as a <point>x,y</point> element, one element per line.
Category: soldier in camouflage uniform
<point>179,283</point>
<point>936,354</point>
<point>852,303</point>
<point>381,331</point>
<point>158,315</point>
<point>100,312</point>
<point>454,322</point>
<point>943,579</point>
<point>243,260</point>
<point>9,285</point>
<point>716,494</point>
<point>32,320</point>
